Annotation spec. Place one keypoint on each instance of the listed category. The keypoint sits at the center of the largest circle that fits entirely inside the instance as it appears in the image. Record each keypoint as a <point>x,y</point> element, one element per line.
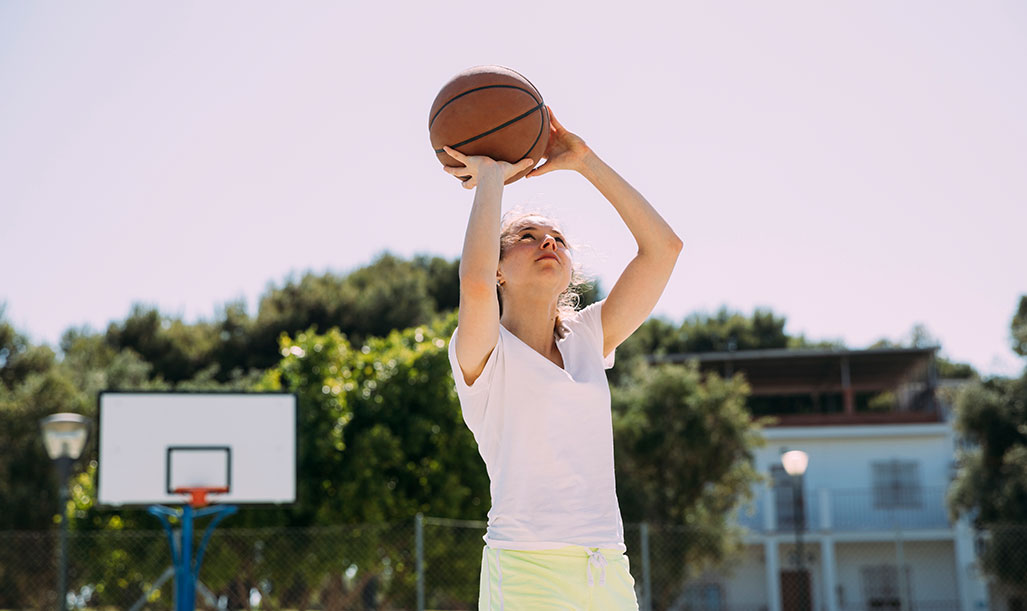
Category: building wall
<point>932,573</point>
<point>745,584</point>
<point>841,459</point>
<point>932,569</point>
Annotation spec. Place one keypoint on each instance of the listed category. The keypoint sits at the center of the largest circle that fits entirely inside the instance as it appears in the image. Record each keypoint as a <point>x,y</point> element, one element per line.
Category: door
<point>796,591</point>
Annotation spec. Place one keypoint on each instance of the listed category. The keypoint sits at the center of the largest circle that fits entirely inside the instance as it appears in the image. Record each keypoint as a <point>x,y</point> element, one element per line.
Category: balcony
<point>849,511</point>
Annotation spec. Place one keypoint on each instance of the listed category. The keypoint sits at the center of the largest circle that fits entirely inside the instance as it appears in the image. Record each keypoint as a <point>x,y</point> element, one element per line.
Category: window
<point>881,587</point>
<point>897,484</point>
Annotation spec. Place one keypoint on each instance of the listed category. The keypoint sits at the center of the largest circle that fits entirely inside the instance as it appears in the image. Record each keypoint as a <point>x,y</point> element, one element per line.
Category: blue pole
<point>187,571</point>
<point>220,513</point>
<point>185,600</point>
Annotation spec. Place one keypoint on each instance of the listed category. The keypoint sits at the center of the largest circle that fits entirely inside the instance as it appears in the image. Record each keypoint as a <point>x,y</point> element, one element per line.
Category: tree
<point>1018,328</point>
<point>991,481</point>
<point>684,452</point>
<point>920,337</point>
<point>381,435</point>
<point>176,350</point>
<point>18,357</point>
<point>371,301</point>
<point>443,281</point>
<point>381,438</point>
<point>389,293</point>
<point>723,331</point>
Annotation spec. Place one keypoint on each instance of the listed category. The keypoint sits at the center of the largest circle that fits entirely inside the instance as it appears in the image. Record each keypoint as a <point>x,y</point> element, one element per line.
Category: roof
<point>785,371</point>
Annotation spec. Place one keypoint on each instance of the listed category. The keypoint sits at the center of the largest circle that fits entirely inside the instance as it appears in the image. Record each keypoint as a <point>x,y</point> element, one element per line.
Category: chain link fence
<point>433,563</point>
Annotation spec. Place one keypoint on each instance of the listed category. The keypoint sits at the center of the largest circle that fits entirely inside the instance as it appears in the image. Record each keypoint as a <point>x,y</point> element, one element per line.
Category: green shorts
<point>571,577</point>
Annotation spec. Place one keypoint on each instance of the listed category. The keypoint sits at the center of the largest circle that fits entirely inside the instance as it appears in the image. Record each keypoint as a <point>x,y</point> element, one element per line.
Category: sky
<point>858,167</point>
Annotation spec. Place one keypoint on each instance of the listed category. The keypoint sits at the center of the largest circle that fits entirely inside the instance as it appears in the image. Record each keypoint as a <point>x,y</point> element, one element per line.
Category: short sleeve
<point>589,321</point>
<point>473,398</point>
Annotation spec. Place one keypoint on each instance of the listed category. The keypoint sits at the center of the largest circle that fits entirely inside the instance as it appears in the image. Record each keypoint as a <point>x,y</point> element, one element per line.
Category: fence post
<point>647,593</point>
<point>419,537</point>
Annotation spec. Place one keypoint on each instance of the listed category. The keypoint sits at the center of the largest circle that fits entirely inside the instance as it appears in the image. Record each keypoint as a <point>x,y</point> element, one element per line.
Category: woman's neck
<point>533,321</point>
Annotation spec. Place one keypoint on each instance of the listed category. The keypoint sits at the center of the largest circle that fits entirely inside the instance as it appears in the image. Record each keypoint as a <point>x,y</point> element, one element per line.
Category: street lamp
<point>64,436</point>
<point>795,463</point>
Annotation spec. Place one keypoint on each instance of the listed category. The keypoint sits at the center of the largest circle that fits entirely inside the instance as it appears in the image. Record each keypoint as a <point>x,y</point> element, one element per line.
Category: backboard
<point>154,443</point>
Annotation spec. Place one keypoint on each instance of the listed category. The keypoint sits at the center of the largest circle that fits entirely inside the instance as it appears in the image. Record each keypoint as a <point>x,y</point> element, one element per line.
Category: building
<point>866,525</point>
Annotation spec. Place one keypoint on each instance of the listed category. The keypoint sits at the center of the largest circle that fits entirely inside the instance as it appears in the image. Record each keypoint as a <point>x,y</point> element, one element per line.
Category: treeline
<point>381,437</point>
<point>390,293</point>
<point>234,350</point>
<point>154,351</point>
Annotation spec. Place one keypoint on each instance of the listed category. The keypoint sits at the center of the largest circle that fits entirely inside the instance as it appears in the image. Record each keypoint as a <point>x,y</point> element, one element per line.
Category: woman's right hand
<point>480,168</point>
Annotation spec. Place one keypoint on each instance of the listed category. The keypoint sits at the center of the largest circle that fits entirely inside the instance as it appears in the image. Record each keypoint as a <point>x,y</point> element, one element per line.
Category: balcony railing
<point>849,510</point>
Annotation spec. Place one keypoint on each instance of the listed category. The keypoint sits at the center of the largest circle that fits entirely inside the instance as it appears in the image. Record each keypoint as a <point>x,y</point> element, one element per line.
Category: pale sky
<point>858,167</point>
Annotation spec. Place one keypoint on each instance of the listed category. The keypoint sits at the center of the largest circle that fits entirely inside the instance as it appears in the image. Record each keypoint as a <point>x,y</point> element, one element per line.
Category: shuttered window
<point>881,587</point>
<point>897,484</point>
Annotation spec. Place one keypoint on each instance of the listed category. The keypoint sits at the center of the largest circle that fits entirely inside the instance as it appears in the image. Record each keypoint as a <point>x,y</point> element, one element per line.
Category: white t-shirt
<point>546,435</point>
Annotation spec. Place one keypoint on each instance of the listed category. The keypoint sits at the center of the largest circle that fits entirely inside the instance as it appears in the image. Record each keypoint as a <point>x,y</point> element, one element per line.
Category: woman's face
<point>536,257</point>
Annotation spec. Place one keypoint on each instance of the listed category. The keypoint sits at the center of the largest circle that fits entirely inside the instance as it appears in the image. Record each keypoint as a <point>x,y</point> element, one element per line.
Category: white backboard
<point>153,442</point>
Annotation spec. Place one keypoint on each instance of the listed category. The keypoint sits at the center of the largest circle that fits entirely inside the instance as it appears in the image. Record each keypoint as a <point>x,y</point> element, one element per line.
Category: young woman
<point>530,374</point>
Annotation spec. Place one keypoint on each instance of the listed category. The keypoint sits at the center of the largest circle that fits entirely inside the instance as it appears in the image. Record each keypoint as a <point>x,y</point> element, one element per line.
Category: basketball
<point>491,111</point>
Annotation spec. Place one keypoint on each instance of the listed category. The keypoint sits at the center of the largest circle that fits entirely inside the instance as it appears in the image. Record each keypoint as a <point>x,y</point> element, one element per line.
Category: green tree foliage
<point>684,450</point>
<point>31,387</point>
<point>388,294</point>
<point>18,357</point>
<point>920,337</point>
<point>991,483</point>
<point>176,350</point>
<point>1018,328</point>
<point>28,483</point>
<point>381,436</point>
<point>952,370</point>
<point>443,281</point>
<point>726,330</point>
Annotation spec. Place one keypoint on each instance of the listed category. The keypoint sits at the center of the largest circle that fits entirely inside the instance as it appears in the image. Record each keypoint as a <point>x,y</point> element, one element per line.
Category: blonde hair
<point>569,299</point>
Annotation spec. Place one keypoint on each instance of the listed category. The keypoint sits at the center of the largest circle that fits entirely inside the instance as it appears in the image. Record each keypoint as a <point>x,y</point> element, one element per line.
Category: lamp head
<point>64,435</point>
<point>795,462</point>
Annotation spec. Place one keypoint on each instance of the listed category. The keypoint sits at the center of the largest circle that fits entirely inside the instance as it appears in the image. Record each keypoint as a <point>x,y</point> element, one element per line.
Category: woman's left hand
<point>566,151</point>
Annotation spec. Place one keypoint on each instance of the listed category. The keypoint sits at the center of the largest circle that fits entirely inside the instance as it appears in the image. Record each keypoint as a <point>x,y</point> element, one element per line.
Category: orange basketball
<point>492,111</point>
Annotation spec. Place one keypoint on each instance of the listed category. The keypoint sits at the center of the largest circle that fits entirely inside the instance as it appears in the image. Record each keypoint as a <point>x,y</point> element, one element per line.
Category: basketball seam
<point>482,88</point>
<point>497,128</point>
<point>541,128</point>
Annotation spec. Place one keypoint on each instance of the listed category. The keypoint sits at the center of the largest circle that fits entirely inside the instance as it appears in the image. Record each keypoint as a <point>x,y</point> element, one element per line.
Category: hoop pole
<point>220,512</point>
<point>162,513</point>
<point>187,570</point>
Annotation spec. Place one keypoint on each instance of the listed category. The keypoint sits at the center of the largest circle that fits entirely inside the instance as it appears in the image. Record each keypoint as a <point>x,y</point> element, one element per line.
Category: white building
<point>869,513</point>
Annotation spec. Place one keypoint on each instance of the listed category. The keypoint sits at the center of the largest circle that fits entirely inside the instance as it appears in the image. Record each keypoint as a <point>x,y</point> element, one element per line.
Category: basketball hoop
<point>198,495</point>
<point>177,466</point>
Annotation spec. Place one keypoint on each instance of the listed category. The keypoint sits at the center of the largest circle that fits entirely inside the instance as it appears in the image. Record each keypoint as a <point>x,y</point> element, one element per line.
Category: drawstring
<point>596,557</point>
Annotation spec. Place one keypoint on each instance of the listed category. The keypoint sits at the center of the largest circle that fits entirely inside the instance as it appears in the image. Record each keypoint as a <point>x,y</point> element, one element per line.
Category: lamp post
<point>795,463</point>
<point>64,436</point>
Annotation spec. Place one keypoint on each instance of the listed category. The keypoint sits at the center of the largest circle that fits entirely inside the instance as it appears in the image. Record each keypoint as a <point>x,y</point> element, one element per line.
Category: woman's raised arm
<point>478,319</point>
<point>640,285</point>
